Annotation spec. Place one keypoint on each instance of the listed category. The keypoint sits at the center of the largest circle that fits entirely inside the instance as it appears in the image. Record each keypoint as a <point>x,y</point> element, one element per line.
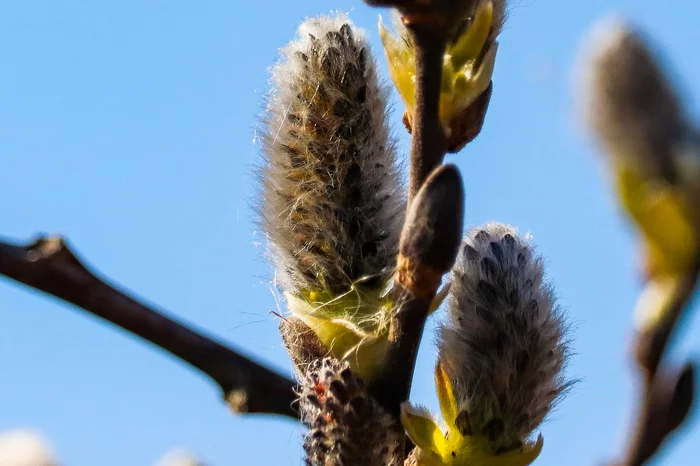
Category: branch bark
<point>428,144</point>
<point>428,148</point>
<point>48,265</point>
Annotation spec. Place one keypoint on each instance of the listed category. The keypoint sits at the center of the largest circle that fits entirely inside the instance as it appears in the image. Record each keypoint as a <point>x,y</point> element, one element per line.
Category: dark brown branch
<point>430,24</point>
<point>429,245</point>
<point>428,144</point>
<point>428,147</point>
<point>50,266</point>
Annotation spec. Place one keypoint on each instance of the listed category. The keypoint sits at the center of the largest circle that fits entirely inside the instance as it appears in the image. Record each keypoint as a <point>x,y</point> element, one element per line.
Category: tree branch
<point>428,144</point>
<point>50,266</point>
<point>430,23</point>
<point>666,398</point>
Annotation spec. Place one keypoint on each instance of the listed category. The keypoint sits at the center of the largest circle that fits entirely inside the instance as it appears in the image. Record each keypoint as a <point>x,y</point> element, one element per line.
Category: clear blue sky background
<point>129,127</point>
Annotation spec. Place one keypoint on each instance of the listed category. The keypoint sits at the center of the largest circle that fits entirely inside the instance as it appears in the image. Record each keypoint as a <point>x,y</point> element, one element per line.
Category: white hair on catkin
<point>503,346</point>
<point>347,427</point>
<point>332,203</point>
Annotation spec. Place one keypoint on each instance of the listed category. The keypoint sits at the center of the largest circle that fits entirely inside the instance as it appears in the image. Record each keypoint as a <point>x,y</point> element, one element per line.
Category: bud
<point>430,237</point>
<point>630,103</point>
<point>501,355</point>
<point>332,203</point>
<point>466,74</point>
<point>654,155</point>
<point>347,427</point>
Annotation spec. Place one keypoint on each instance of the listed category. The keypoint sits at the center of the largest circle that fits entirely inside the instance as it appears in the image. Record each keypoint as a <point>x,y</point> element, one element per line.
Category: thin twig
<point>50,266</point>
<point>428,144</point>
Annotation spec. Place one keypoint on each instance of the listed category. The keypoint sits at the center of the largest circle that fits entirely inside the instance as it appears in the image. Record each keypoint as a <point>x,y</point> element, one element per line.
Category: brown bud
<point>432,233</point>
<point>683,397</point>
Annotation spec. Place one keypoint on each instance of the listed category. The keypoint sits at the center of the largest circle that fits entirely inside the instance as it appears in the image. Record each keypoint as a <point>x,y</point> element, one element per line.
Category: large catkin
<point>503,346</point>
<point>332,204</point>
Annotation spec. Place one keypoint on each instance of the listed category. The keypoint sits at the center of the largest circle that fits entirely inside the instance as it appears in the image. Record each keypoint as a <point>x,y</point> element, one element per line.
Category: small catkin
<point>630,103</point>
<point>347,427</point>
<point>303,345</point>
<point>503,346</point>
<point>332,204</point>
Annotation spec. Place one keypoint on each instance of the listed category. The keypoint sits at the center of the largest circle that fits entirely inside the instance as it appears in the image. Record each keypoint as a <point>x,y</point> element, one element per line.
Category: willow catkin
<point>630,103</point>
<point>347,427</point>
<point>503,346</point>
<point>332,205</point>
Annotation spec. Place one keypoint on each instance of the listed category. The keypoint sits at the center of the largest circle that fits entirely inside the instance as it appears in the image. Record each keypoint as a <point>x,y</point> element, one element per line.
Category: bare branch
<point>667,398</point>
<point>50,266</point>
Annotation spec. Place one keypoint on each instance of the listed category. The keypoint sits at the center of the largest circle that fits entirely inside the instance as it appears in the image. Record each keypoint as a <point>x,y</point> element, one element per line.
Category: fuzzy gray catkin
<point>503,346</point>
<point>332,203</point>
<point>347,428</point>
<point>631,104</point>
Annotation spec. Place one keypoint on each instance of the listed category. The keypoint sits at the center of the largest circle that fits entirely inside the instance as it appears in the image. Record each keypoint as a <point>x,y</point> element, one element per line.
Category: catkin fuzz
<point>332,205</point>
<point>347,427</point>
<point>503,346</point>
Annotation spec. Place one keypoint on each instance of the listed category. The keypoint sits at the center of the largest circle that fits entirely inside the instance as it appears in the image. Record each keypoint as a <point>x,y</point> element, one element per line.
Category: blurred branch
<point>650,344</point>
<point>667,397</point>
<point>667,401</point>
<point>50,266</point>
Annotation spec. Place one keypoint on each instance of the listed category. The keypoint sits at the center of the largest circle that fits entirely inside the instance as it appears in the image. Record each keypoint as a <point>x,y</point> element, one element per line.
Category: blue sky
<point>129,127</point>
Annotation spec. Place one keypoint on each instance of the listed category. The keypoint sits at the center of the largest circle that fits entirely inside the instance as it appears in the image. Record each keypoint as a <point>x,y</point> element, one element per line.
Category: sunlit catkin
<point>347,428</point>
<point>503,347</point>
<point>332,204</point>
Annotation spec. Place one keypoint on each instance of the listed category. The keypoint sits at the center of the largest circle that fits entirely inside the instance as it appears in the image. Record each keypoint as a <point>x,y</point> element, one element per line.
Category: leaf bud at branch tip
<point>432,232</point>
